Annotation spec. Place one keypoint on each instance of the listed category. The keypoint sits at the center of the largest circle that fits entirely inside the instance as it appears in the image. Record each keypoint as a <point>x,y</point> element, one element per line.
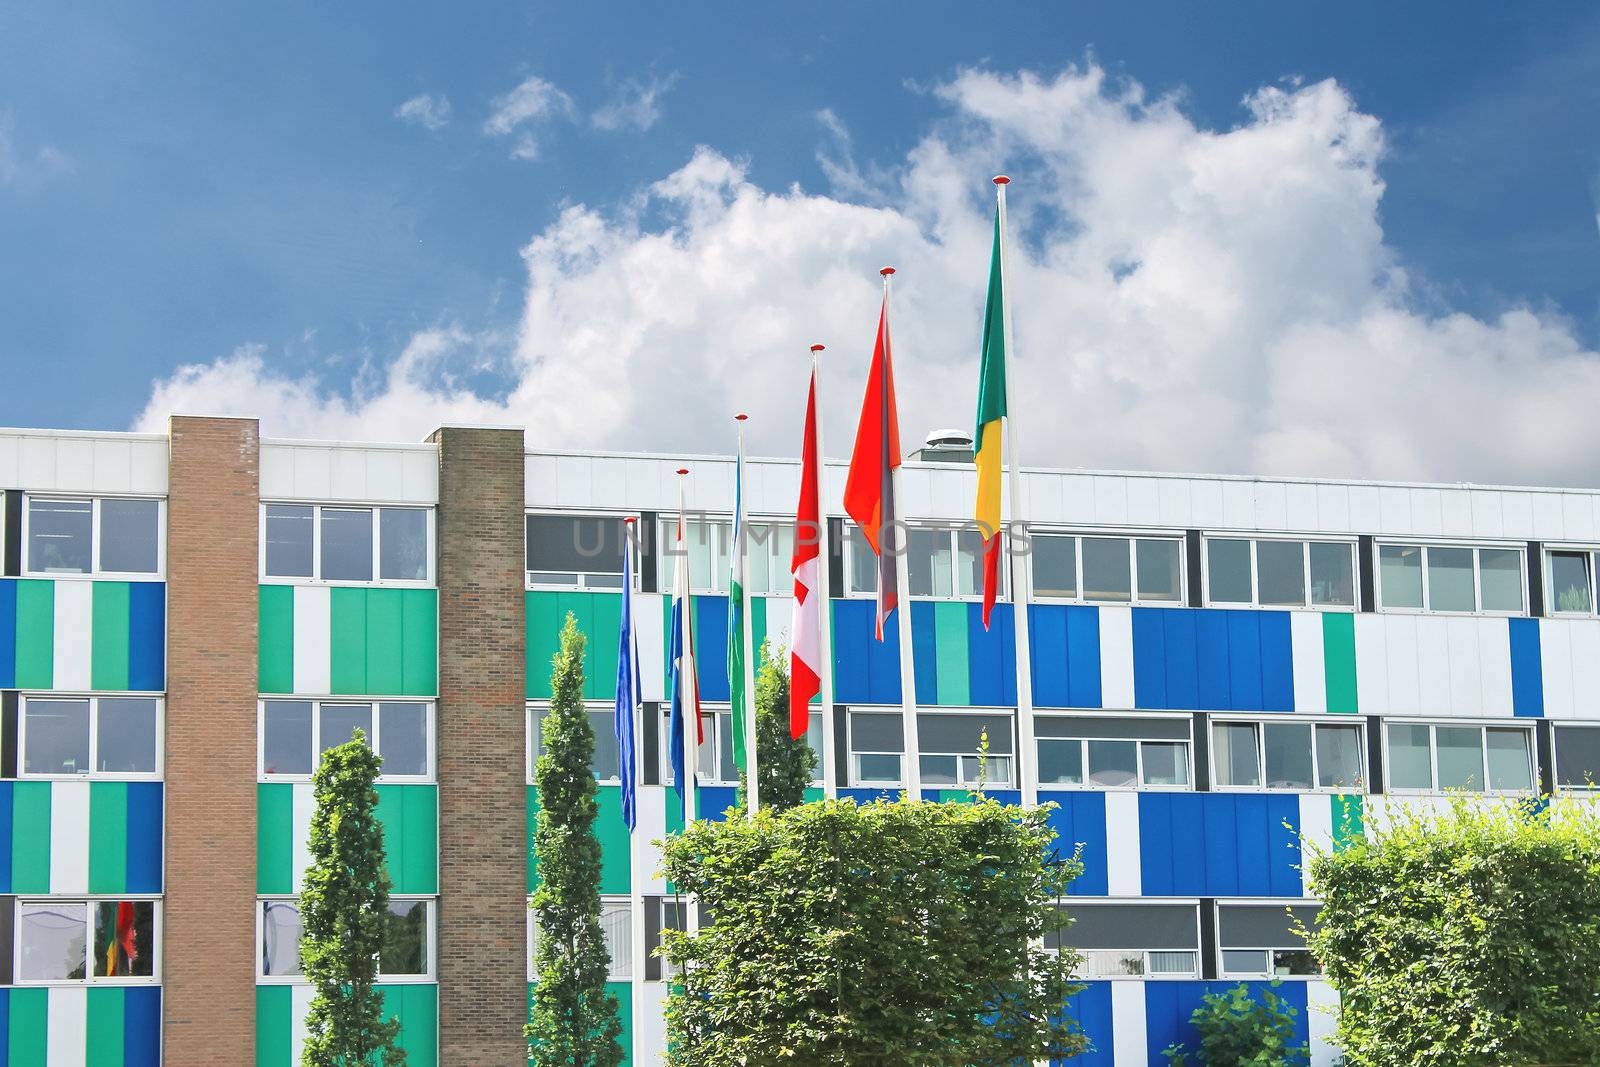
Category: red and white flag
<point>805,644</point>
<point>869,485</point>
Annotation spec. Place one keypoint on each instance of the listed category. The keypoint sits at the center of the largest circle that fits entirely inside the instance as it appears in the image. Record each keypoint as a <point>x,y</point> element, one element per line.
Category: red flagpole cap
<point>683,470</point>
<point>631,518</point>
<point>886,271</point>
<point>818,348</point>
<point>740,417</point>
<point>1001,179</point>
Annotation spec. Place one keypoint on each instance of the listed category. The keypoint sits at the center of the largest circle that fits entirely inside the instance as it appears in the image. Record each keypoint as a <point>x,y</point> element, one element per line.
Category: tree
<point>344,909</point>
<point>784,763</point>
<point>886,934</point>
<point>573,1021</point>
<point>1238,1030</point>
<point>1467,937</point>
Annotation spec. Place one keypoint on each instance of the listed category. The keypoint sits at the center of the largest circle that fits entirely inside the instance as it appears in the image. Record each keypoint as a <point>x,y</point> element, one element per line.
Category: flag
<point>805,631</point>
<point>629,694</point>
<point>685,689</point>
<point>991,409</point>
<point>869,486</point>
<point>737,653</point>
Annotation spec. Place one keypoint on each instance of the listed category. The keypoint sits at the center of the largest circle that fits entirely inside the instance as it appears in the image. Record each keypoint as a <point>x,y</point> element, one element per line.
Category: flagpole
<point>638,950</point>
<point>689,682</point>
<point>1021,568</point>
<point>830,773</point>
<point>752,742</point>
<point>911,773</point>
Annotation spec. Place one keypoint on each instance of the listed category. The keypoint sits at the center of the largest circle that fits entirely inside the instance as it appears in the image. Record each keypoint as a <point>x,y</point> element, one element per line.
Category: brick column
<point>483,838</point>
<point>209,998</point>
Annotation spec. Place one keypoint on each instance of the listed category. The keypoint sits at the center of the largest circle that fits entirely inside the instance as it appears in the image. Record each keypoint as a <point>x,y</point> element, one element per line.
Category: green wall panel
<point>274,838</point>
<point>27,1043</point>
<point>419,641</point>
<point>599,616</point>
<point>30,837</point>
<point>108,837</point>
<point>1339,660</point>
<point>615,869</point>
<point>410,817</point>
<point>274,1026</point>
<point>36,633</point>
<point>347,641</point>
<point>103,1043</point>
<point>950,639</point>
<point>1349,822</point>
<point>623,991</point>
<point>275,616</point>
<point>417,1007</point>
<point>108,654</point>
<point>533,822</point>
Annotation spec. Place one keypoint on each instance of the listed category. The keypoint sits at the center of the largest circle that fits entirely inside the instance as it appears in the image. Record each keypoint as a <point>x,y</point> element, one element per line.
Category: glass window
<point>1165,762</point>
<point>1237,761</point>
<point>1570,589</point>
<point>1577,756</point>
<point>405,938</point>
<point>1281,572</point>
<point>124,938</point>
<point>403,544</point>
<point>1228,570</point>
<point>340,723</point>
<point>290,540</point>
<point>1500,578</point>
<point>877,767</point>
<point>1244,961</point>
<point>1460,757</point>
<point>581,550</point>
<point>940,770</point>
<point>1338,756</point>
<point>607,765</point>
<point>1288,755</point>
<point>1160,569</point>
<point>125,735</point>
<point>130,536</point>
<point>969,564</point>
<point>1060,761</point>
<point>403,737</point>
<point>607,762</point>
<point>286,737</point>
<point>1510,762</point>
<point>281,930</point>
<point>769,550</point>
<point>1113,764</point>
<point>616,928</point>
<point>928,562</point>
<point>52,941</point>
<point>1400,576</point>
<point>60,533</point>
<point>1055,565</point>
<point>347,544</point>
<point>56,736</point>
<point>1410,762</point>
<point>863,563</point>
<point>1450,583</point>
<point>1107,569</point>
<point>1333,573</point>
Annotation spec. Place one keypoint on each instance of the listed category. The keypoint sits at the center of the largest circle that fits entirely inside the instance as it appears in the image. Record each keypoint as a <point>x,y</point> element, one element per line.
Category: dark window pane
<point>1569,582</point>
<point>1288,754</point>
<point>1578,756</point>
<point>1237,761</point>
<point>130,533</point>
<point>124,938</point>
<point>1143,727</point>
<point>280,938</point>
<point>59,535</point>
<point>1228,570</point>
<point>1060,762</point>
<point>347,544</point>
<point>580,544</point>
<point>929,563</point>
<point>863,563</point>
<point>403,737</point>
<point>1165,763</point>
<point>1338,756</point>
<point>1055,565</point>
<point>1107,572</point>
<point>403,544</point>
<point>1450,580</point>
<point>940,770</point>
<point>876,731</point>
<point>607,756</point>
<point>878,768</point>
<point>1332,574</point>
<point>286,737</point>
<point>340,722</point>
<point>1280,572</point>
<point>289,537</point>
<point>126,741</point>
<point>1113,763</point>
<point>52,941</point>
<point>405,938</point>
<point>1159,570</point>
<point>1264,925</point>
<point>963,733</point>
<point>1136,926</point>
<point>56,737</point>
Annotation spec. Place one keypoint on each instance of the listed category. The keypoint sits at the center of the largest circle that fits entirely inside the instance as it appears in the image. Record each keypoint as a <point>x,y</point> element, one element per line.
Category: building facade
<point>1225,673</point>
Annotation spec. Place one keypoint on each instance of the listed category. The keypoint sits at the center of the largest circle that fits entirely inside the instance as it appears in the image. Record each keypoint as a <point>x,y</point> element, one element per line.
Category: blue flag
<point>685,687</point>
<point>629,695</point>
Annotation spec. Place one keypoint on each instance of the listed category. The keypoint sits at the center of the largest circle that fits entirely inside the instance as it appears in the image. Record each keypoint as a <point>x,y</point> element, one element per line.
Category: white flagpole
<point>751,741</point>
<point>637,949</point>
<point>911,773</point>
<point>830,773</point>
<point>687,677</point>
<point>1021,562</point>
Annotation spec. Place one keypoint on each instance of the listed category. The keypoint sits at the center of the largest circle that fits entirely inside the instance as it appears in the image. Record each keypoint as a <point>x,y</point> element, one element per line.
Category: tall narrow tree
<point>344,908</point>
<point>574,1020</point>
<point>784,763</point>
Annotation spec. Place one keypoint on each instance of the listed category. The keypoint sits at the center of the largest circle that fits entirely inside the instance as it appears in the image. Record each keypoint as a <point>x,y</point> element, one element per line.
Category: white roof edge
<point>389,446</point>
<point>107,435</point>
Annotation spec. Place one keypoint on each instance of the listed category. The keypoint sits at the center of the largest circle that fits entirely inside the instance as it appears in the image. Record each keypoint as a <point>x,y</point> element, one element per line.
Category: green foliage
<point>1466,938</point>
<point>784,763</point>
<point>876,936</point>
<point>344,908</point>
<point>1573,598</point>
<point>573,1020</point>
<point>1237,1030</point>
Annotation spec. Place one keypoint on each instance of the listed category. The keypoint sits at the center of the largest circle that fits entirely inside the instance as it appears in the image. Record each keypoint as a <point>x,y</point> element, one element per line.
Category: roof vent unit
<point>946,446</point>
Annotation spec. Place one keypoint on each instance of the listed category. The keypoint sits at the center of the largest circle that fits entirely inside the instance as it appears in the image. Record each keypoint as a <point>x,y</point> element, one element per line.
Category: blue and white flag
<point>629,694</point>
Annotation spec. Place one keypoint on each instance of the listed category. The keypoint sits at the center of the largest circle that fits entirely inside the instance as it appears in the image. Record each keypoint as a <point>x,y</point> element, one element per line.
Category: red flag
<point>869,488</point>
<point>805,648</point>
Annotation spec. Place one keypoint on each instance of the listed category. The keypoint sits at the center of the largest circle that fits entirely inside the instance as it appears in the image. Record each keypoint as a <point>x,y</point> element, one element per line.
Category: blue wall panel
<point>1206,659</point>
<point>867,796</point>
<point>715,800</point>
<point>1092,1009</point>
<point>1527,673</point>
<point>924,651</point>
<point>866,670</point>
<point>1080,816</point>
<point>1277,661</point>
<point>711,646</point>
<point>1065,641</point>
<point>1219,844</point>
<point>147,636</point>
<point>141,1026</point>
<point>1168,1006</point>
<point>8,633</point>
<point>991,657</point>
<point>145,803</point>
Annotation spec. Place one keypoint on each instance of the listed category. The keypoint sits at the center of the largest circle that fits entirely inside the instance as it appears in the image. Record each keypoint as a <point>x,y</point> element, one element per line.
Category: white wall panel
<point>1110,499</point>
<point>574,486</point>
<point>1300,506</point>
<point>1405,668</point>
<point>650,1036</point>
<point>1366,509</point>
<point>349,473</point>
<point>610,482</point>
<point>60,461</point>
<point>1144,502</point>
<point>69,837</point>
<point>1394,509</point>
<point>1078,498</point>
<point>1175,506</point>
<point>652,827</point>
<point>299,1007</point>
<point>1494,664</point>
<point>649,624</point>
<point>1547,516</point>
<point>1129,1043</point>
<point>1206,497</point>
<point>1322,1016</point>
<point>1466,679</point>
<point>1427,513</point>
<point>1116,657</point>
<point>1372,664</point>
<point>312,620</point>
<point>1486,520</point>
<point>1516,515</point>
<point>1457,512</point>
<point>1433,666</point>
<point>1577,517</point>
<point>66,1026</point>
<point>302,806</point>
<point>1271,506</point>
<point>1238,506</point>
<point>73,634</point>
<point>1124,871</point>
<point>1333,508</point>
<point>75,461</point>
<point>1555,667</point>
<point>1310,676</point>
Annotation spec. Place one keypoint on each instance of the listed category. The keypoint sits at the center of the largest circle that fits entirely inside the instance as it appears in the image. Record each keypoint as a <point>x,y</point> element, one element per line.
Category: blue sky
<point>182,183</point>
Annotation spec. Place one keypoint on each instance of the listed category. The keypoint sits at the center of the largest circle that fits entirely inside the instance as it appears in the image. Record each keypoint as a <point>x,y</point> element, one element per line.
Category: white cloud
<point>1184,298</point>
<point>425,110</point>
<point>525,107</point>
<point>634,105</point>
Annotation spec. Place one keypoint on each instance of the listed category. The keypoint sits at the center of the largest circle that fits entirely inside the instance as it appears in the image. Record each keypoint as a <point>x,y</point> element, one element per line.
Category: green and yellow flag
<point>991,409</point>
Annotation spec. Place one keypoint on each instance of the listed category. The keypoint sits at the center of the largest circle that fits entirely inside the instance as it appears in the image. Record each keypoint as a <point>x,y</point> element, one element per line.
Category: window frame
<point>376,581</point>
<point>581,584</point>
<point>88,902</point>
<point>610,900</point>
<point>1139,784</point>
<point>853,768</point>
<point>1066,904</point>
<point>90,775</point>
<point>427,978</point>
<point>536,711</point>
<point>430,705</point>
<point>1287,719</point>
<point>94,572</point>
<point>1475,547</point>
<point>1557,727</point>
<point>1279,903</point>
<point>1551,547</point>
<point>716,712</point>
<point>1132,536</point>
<point>1305,542</point>
<point>1481,724</point>
<point>951,529</point>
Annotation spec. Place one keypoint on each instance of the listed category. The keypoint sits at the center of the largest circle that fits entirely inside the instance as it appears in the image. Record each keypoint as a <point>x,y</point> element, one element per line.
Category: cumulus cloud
<point>518,112</point>
<point>425,110</point>
<point>1184,298</point>
<point>634,105</point>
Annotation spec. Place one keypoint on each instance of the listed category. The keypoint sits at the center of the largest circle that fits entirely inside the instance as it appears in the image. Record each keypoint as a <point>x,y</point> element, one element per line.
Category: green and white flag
<point>741,698</point>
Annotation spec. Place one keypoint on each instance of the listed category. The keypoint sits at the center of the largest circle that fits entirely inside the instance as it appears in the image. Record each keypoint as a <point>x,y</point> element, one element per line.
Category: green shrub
<point>1237,1030</point>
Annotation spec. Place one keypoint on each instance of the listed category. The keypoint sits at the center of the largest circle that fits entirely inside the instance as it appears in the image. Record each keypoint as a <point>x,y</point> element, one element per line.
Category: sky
<point>1359,240</point>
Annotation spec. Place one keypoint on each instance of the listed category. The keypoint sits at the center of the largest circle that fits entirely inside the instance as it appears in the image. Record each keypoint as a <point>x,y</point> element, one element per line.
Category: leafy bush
<point>784,763</point>
<point>1237,1030</point>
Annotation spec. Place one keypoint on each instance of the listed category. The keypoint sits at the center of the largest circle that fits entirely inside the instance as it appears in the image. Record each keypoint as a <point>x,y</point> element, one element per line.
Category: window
<point>1449,578</point>
<point>940,563</point>
<point>1127,940</point>
<point>950,744</point>
<point>335,543</point>
<point>583,551</point>
<point>406,953</point>
<point>1424,756</point>
<point>716,759</point>
<point>877,746</point>
<point>607,763</point>
<point>102,940</point>
<point>295,733</point>
<point>662,913</point>
<point>100,737</point>
<point>1141,570</point>
<point>616,928</point>
<point>1577,756</point>
<point>1280,574</point>
<point>1106,752</point>
<point>99,535</point>
<point>1570,581</point>
<point>1259,940</point>
<point>1297,755</point>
